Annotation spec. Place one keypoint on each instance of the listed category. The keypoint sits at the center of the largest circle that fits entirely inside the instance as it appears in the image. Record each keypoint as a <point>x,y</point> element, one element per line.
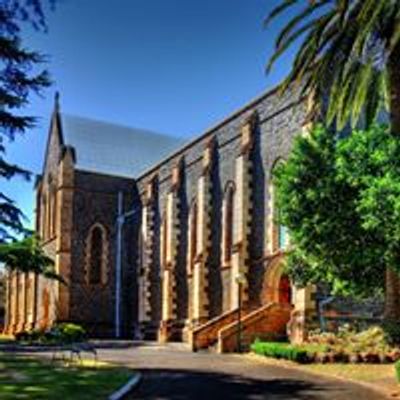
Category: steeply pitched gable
<point>112,149</point>
<point>55,140</point>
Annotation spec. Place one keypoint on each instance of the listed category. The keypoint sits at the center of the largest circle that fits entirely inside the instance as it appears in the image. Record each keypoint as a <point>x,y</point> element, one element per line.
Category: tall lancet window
<point>163,240</point>
<point>228,223</point>
<point>97,251</point>
<point>192,248</point>
<point>43,215</point>
<point>53,195</point>
<point>279,235</point>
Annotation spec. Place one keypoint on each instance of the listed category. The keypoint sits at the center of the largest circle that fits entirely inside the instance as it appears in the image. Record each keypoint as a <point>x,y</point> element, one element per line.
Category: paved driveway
<point>172,372</point>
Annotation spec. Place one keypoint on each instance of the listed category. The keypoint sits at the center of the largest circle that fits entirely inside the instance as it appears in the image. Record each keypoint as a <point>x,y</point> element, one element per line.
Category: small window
<point>96,269</point>
<point>96,256</point>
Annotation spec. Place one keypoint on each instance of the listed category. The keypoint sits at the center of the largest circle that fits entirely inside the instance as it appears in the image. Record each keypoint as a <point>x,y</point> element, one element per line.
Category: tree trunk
<point>394,90</point>
<point>392,294</point>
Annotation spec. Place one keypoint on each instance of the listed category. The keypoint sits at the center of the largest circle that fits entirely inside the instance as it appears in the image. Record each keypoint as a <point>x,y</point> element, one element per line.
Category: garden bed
<point>369,346</point>
<point>58,334</point>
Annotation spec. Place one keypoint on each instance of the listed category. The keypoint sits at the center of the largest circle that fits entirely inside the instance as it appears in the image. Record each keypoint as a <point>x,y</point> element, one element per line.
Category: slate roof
<point>112,149</point>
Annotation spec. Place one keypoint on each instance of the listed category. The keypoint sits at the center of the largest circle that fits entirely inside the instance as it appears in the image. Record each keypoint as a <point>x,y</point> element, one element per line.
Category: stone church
<point>162,239</point>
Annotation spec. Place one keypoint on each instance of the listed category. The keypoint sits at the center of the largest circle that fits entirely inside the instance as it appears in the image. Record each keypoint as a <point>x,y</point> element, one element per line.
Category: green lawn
<point>382,376</point>
<point>29,378</point>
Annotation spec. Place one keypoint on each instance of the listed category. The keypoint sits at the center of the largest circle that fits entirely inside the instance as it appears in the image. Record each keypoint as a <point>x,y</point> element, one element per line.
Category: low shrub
<point>58,334</point>
<point>392,332</point>
<point>71,332</point>
<point>397,370</point>
<point>280,350</point>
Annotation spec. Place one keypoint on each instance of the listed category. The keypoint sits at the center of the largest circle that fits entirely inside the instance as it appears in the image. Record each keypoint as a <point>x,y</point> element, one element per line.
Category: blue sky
<point>173,66</point>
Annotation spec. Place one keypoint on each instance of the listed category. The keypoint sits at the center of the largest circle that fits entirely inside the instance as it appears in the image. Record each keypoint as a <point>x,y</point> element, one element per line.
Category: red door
<point>285,291</point>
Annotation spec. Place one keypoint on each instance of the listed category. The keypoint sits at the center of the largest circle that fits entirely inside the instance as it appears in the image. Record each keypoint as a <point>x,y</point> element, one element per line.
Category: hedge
<point>280,350</point>
<point>397,369</point>
<point>58,334</point>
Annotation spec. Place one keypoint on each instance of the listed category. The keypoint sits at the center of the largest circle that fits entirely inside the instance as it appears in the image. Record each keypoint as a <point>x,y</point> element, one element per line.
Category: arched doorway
<point>277,287</point>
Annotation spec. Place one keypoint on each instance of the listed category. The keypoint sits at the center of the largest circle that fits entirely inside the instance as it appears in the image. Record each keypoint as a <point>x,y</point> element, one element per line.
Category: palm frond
<point>278,10</point>
<point>364,82</point>
<point>367,20</point>
<point>292,24</point>
<point>343,55</point>
<point>374,94</point>
<point>395,39</point>
<point>289,41</point>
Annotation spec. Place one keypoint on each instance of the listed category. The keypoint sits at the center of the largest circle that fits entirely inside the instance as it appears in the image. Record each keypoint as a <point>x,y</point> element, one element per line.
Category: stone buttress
<point>200,300</point>
<point>170,328</point>
<point>64,215</point>
<point>243,214</point>
<point>148,261</point>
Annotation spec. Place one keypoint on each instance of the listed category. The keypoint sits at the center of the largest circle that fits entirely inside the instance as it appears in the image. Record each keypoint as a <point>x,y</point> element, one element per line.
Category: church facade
<point>163,240</point>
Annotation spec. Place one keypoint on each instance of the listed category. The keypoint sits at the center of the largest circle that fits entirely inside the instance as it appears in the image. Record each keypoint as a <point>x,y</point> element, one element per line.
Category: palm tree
<point>348,60</point>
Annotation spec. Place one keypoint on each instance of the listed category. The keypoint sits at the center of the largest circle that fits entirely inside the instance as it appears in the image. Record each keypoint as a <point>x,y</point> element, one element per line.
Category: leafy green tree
<point>347,60</point>
<point>21,76</point>
<point>27,255</point>
<point>340,199</point>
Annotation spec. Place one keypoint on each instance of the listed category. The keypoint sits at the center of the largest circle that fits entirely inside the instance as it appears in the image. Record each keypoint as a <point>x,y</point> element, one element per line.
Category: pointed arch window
<point>52,211</point>
<point>278,231</point>
<point>282,232</point>
<point>163,240</point>
<point>53,195</point>
<point>43,215</point>
<point>192,248</point>
<point>97,255</point>
<point>228,223</point>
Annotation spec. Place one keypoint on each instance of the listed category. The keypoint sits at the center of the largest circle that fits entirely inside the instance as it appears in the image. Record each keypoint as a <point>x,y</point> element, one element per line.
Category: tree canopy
<point>21,76</point>
<point>27,255</point>
<point>347,57</point>
<point>340,200</point>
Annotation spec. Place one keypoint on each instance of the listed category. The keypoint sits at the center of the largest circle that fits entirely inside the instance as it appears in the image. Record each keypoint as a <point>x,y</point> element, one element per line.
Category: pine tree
<point>21,75</point>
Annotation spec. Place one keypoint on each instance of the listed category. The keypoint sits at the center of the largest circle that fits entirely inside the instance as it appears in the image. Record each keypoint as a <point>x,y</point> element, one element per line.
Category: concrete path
<point>172,372</point>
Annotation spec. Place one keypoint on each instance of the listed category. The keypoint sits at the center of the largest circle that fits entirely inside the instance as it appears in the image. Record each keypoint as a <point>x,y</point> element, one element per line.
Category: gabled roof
<point>113,149</point>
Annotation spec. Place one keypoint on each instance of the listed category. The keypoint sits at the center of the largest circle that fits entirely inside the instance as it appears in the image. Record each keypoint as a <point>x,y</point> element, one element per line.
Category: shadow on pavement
<point>187,384</point>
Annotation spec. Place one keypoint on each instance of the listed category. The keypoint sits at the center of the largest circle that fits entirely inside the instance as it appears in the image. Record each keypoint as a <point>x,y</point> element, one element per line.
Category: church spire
<point>57,102</point>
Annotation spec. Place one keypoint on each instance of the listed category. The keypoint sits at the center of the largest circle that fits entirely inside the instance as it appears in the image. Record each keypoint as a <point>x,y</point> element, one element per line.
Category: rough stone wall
<point>278,122</point>
<point>26,304</point>
<point>96,202</point>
